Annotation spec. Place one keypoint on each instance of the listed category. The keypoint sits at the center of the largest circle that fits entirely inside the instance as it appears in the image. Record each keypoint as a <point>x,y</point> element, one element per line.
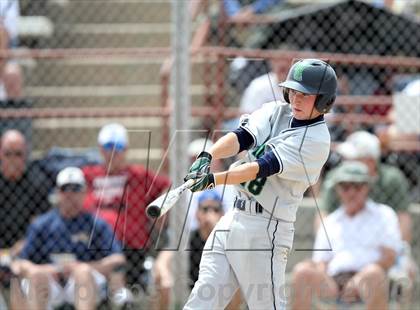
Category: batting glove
<point>200,166</point>
<point>206,181</point>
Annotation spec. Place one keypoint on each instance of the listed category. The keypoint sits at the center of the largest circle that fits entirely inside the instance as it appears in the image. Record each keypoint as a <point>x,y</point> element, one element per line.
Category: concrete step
<point>102,71</point>
<point>151,158</point>
<point>83,132</point>
<point>79,134</point>
<point>95,72</point>
<point>96,96</point>
<point>111,11</point>
<point>112,35</point>
<point>62,101</point>
<point>91,91</point>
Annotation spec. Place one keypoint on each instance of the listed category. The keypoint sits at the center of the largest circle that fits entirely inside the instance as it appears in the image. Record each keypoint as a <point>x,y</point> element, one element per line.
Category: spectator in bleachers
<point>242,12</point>
<point>11,77</point>
<point>162,268</point>
<point>363,237</point>
<point>23,195</point>
<point>208,212</point>
<point>256,91</point>
<point>389,186</point>
<point>68,253</point>
<point>261,90</point>
<point>404,130</point>
<point>119,193</point>
<point>24,190</point>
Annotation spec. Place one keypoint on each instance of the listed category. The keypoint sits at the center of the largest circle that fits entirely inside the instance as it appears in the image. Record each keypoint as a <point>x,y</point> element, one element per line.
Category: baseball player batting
<point>287,144</point>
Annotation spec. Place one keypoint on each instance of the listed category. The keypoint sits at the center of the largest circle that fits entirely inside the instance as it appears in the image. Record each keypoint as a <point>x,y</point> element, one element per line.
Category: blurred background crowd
<point>84,125</point>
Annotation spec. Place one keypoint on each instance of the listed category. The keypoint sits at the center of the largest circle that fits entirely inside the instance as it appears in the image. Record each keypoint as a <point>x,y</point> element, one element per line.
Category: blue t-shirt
<point>87,239</point>
<point>232,7</point>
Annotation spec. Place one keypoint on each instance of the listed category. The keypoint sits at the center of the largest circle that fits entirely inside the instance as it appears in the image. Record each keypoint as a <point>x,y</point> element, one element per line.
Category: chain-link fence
<point>71,67</point>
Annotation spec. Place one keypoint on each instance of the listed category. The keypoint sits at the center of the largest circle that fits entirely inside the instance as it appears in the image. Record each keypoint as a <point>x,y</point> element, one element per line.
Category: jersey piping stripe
<point>290,121</point>
<point>252,134</point>
<point>278,158</point>
<point>296,128</point>
<point>272,272</point>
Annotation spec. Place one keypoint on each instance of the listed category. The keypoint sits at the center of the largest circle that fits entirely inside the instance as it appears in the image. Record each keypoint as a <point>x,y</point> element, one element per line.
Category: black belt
<point>242,205</point>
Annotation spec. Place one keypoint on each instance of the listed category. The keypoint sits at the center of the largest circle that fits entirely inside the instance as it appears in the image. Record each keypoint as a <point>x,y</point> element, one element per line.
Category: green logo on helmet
<point>298,72</point>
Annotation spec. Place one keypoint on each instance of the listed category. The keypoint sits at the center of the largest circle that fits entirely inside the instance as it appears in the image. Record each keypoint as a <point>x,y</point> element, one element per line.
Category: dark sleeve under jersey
<point>245,139</point>
<point>268,164</point>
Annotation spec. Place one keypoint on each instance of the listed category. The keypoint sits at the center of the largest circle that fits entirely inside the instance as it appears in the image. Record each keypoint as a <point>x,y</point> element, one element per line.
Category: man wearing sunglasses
<point>68,253</point>
<point>208,213</point>
<point>353,253</point>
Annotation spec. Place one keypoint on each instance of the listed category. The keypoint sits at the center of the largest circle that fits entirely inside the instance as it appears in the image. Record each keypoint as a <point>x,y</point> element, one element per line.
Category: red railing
<point>216,109</point>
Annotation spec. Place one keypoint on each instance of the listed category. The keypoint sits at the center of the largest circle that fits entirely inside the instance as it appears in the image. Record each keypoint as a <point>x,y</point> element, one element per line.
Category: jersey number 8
<point>255,186</point>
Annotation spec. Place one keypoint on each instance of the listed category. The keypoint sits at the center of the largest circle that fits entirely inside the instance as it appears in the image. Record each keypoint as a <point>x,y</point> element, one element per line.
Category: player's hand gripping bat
<point>165,202</point>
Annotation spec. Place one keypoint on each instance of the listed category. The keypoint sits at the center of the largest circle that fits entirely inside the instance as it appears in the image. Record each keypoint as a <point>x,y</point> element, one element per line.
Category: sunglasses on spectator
<point>17,153</point>
<point>345,186</point>
<point>206,209</point>
<point>111,146</point>
<point>71,188</point>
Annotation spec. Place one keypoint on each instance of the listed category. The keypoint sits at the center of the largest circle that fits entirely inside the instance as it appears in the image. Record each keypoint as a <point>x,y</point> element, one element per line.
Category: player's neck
<point>305,122</point>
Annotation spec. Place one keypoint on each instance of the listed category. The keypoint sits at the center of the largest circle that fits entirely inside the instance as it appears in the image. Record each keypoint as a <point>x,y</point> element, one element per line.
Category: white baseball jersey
<point>301,152</point>
<point>249,251</point>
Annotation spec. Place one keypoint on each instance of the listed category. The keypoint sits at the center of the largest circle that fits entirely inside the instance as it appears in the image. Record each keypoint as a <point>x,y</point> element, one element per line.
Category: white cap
<point>360,144</point>
<point>412,88</point>
<point>199,145</point>
<point>113,133</point>
<point>70,175</point>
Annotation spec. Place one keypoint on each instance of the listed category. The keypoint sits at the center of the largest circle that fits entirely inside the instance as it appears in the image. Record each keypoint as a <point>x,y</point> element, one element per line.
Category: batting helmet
<point>312,77</point>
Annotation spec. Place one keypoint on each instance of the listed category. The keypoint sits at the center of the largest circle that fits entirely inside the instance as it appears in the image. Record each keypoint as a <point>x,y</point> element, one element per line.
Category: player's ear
<point>323,104</point>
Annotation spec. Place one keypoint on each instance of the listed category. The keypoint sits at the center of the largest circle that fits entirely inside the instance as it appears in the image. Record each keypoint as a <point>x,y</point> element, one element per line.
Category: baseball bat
<point>165,202</point>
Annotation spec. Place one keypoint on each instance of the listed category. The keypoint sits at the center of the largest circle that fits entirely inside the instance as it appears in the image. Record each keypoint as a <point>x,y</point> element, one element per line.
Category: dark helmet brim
<point>299,87</point>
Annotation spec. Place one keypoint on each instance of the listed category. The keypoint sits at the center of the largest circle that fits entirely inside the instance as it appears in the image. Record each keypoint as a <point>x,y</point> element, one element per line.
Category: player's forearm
<point>239,174</point>
<point>227,146</point>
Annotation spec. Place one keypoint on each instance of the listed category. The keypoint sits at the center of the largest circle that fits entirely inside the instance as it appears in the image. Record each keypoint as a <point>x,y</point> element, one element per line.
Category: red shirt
<point>121,199</point>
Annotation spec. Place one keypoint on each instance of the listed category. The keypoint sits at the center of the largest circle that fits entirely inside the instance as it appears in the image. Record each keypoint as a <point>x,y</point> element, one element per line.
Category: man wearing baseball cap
<point>119,192</point>
<point>353,253</point>
<point>208,213</point>
<point>389,185</point>
<point>68,253</point>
